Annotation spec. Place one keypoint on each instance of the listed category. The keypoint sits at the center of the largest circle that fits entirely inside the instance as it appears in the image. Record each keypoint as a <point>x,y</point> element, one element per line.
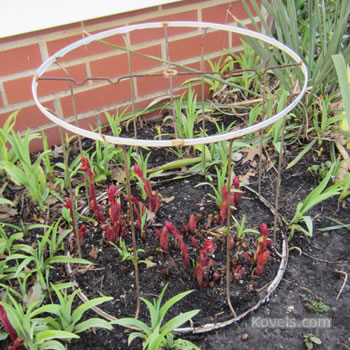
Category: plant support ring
<point>174,142</point>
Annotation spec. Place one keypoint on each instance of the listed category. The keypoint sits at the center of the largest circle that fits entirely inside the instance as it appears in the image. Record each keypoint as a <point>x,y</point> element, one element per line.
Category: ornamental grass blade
<point>135,335</point>
<point>306,149</point>
<point>52,345</point>
<point>15,314</point>
<point>133,322</point>
<point>92,323</point>
<point>81,309</point>
<point>156,340</point>
<point>343,72</point>
<point>170,303</point>
<point>54,309</point>
<point>44,336</point>
<point>179,320</point>
<point>62,259</point>
<point>316,195</point>
<point>154,312</point>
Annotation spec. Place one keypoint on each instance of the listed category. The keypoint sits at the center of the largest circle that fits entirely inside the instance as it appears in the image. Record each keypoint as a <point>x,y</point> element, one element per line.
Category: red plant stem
<point>93,203</point>
<point>154,202</point>
<point>118,227</point>
<point>170,226</point>
<point>82,232</point>
<point>194,242</point>
<point>6,323</point>
<point>163,239</point>
<point>192,224</point>
<point>137,206</point>
<point>238,272</point>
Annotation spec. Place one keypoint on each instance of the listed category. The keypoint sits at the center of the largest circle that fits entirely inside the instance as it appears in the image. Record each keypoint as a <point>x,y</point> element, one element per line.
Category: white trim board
<point>25,16</point>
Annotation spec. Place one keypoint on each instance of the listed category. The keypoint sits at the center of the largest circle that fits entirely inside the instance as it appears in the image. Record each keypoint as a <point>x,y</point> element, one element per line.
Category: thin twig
<point>133,235</point>
<point>228,224</point>
<point>344,282</point>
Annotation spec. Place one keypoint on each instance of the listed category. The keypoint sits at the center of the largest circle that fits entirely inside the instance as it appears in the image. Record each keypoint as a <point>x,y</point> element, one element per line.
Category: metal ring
<point>169,143</point>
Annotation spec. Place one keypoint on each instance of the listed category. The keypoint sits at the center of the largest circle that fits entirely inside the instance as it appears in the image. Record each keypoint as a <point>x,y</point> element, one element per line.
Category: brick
<point>28,117</point>
<point>222,13</point>
<point>185,48</point>
<point>47,87</point>
<point>142,63</point>
<point>96,47</point>
<point>148,35</point>
<point>191,47</point>
<point>83,51</point>
<point>182,4</point>
<point>87,123</point>
<point>151,84</point>
<point>182,78</point>
<point>19,59</point>
<point>154,84</point>
<point>39,33</point>
<point>20,89</point>
<point>120,16</point>
<point>110,67</point>
<point>237,38</point>
<point>53,138</point>
<point>116,66</point>
<point>1,102</point>
<point>96,98</point>
<point>216,41</point>
<point>53,134</point>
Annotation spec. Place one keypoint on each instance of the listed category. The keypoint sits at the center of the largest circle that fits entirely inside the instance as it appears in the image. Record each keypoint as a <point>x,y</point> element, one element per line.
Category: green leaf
<point>153,312</point>
<point>6,201</point>
<point>179,320</point>
<point>133,322</point>
<point>315,340</point>
<point>309,225</point>
<point>62,259</point>
<point>154,340</point>
<point>171,302</point>
<point>43,336</point>
<point>52,345</point>
<point>3,336</point>
<point>306,149</point>
<point>81,309</point>
<point>48,308</point>
<point>23,264</point>
<point>344,82</point>
<point>135,335</point>
<point>92,323</point>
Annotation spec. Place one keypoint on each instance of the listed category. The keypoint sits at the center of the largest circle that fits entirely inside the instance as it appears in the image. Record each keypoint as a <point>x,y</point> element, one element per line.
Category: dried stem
<point>132,89</point>
<point>202,89</point>
<point>70,190</point>
<point>344,282</point>
<point>278,182</point>
<point>228,223</point>
<point>76,122</point>
<point>127,176</point>
<point>263,94</point>
<point>170,79</point>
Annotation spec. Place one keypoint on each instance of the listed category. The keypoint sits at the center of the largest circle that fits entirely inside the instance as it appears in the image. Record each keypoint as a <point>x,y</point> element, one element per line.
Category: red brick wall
<point>21,55</point>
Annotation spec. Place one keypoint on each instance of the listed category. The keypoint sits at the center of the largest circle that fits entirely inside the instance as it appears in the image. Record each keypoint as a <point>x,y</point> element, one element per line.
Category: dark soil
<point>311,275</point>
<point>315,272</point>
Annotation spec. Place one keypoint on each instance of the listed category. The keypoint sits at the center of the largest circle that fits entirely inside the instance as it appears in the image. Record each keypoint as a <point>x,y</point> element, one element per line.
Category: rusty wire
<point>169,73</point>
